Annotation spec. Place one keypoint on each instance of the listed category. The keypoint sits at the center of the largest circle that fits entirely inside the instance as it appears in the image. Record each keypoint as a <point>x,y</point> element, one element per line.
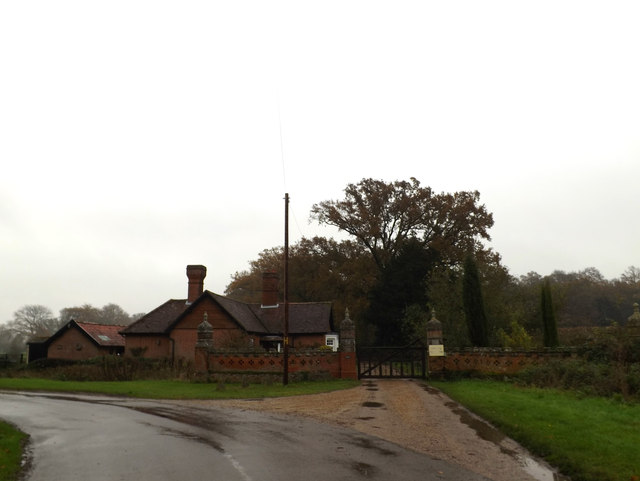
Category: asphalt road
<point>96,438</point>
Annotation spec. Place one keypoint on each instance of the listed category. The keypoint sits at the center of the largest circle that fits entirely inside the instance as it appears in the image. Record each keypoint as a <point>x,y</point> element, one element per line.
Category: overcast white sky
<point>137,137</point>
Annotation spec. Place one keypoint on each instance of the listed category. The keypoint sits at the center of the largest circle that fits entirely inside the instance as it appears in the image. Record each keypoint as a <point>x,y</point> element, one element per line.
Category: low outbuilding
<point>81,340</point>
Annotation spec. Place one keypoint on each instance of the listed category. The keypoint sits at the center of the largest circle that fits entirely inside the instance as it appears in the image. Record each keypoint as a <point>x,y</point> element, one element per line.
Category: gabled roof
<point>103,335</point>
<point>304,318</point>
<point>242,313</point>
<point>158,320</point>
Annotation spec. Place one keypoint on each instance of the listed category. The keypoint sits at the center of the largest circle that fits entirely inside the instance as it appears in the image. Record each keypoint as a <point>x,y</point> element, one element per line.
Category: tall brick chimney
<point>196,275</point>
<point>270,289</point>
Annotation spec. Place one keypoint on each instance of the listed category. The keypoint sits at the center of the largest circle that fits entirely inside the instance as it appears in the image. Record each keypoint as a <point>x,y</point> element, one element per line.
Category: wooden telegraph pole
<point>285,378</point>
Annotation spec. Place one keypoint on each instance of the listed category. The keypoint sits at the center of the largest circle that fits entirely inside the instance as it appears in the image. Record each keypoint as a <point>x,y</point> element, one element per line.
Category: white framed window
<point>332,341</point>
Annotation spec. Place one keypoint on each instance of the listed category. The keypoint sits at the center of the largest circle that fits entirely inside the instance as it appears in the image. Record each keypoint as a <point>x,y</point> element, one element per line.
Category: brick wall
<point>337,364</point>
<point>309,341</point>
<point>494,361</point>
<point>153,347</point>
<point>73,345</point>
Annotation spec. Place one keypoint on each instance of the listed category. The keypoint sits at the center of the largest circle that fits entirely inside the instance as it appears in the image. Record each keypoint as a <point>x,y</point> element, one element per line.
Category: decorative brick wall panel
<point>494,361</point>
<point>269,362</point>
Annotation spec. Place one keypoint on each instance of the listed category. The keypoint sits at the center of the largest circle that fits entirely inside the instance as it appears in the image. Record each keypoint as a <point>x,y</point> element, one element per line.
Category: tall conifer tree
<point>549,326</point>
<point>473,302</point>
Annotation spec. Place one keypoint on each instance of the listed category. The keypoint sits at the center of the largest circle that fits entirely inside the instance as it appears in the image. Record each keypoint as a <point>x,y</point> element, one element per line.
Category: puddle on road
<point>364,469</point>
<point>482,429</point>
<point>431,390</point>
<point>192,437</point>
<point>538,469</point>
<point>371,404</point>
<point>371,445</point>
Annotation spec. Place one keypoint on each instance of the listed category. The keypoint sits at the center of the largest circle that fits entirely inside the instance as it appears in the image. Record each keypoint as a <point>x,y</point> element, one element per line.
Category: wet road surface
<point>75,437</point>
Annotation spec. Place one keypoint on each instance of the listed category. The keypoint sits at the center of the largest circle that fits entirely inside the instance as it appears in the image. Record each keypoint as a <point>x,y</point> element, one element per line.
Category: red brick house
<point>83,340</point>
<point>170,330</point>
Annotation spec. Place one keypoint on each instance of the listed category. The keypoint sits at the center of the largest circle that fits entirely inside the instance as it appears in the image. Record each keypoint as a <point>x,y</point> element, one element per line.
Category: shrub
<point>107,368</point>
<point>518,337</point>
<point>584,376</point>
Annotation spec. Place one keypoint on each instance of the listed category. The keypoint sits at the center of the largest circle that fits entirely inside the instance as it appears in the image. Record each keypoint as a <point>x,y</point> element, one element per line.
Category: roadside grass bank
<point>586,438</point>
<point>11,447</point>
<point>168,389</point>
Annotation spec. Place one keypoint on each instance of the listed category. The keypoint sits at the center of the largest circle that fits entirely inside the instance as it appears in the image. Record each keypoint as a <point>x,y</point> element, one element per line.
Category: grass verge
<point>176,389</point>
<point>11,444</point>
<point>587,438</point>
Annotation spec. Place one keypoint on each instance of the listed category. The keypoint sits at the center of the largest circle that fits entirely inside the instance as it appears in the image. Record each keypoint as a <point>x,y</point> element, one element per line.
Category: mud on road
<point>413,415</point>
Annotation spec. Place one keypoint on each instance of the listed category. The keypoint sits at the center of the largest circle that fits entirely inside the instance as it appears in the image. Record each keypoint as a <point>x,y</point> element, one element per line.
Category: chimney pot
<point>196,275</point>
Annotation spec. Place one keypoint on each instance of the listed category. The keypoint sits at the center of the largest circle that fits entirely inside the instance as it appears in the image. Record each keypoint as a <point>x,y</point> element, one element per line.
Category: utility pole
<point>285,378</point>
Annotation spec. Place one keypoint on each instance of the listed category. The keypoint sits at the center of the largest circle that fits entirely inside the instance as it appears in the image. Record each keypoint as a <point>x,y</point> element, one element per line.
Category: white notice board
<point>436,350</point>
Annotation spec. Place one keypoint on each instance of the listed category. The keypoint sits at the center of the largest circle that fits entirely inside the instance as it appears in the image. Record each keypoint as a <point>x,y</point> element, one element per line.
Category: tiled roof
<point>103,334</point>
<point>242,313</point>
<point>158,320</point>
<point>304,318</point>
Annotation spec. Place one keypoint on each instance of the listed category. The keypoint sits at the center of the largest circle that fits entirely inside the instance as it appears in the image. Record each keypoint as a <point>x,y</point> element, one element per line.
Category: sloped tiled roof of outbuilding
<point>103,334</point>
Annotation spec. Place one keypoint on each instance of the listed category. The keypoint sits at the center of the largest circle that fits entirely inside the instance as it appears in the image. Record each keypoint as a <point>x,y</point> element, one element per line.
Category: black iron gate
<point>393,362</point>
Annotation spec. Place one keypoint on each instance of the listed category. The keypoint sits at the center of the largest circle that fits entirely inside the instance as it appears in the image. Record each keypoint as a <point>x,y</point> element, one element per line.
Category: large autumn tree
<point>382,216</point>
<point>409,230</point>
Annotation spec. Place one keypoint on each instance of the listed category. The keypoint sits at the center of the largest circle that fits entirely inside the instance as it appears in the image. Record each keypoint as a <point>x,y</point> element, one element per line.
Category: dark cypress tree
<point>473,303</point>
<point>401,284</point>
<point>549,326</point>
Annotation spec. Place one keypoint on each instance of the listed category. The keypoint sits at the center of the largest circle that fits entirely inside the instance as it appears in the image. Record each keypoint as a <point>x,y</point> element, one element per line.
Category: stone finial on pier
<point>205,333</point>
<point>347,334</point>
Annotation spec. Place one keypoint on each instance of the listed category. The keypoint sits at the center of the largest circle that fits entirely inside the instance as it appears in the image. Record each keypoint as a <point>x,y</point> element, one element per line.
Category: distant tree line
<point>411,250</point>
<point>37,321</point>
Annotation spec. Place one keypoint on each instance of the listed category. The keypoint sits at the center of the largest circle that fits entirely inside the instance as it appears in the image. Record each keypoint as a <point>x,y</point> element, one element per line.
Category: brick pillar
<point>348,359</point>
<point>435,343</point>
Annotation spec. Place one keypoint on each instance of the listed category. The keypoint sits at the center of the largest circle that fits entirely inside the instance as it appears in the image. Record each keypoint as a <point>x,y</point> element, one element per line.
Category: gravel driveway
<point>413,415</point>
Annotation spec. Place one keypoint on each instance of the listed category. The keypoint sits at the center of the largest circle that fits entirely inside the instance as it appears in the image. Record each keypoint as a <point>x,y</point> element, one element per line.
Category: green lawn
<point>11,441</point>
<point>587,438</point>
<point>176,389</point>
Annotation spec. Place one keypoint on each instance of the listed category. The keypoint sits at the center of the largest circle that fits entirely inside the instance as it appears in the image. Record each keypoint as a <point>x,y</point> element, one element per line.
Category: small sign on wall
<point>436,350</point>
